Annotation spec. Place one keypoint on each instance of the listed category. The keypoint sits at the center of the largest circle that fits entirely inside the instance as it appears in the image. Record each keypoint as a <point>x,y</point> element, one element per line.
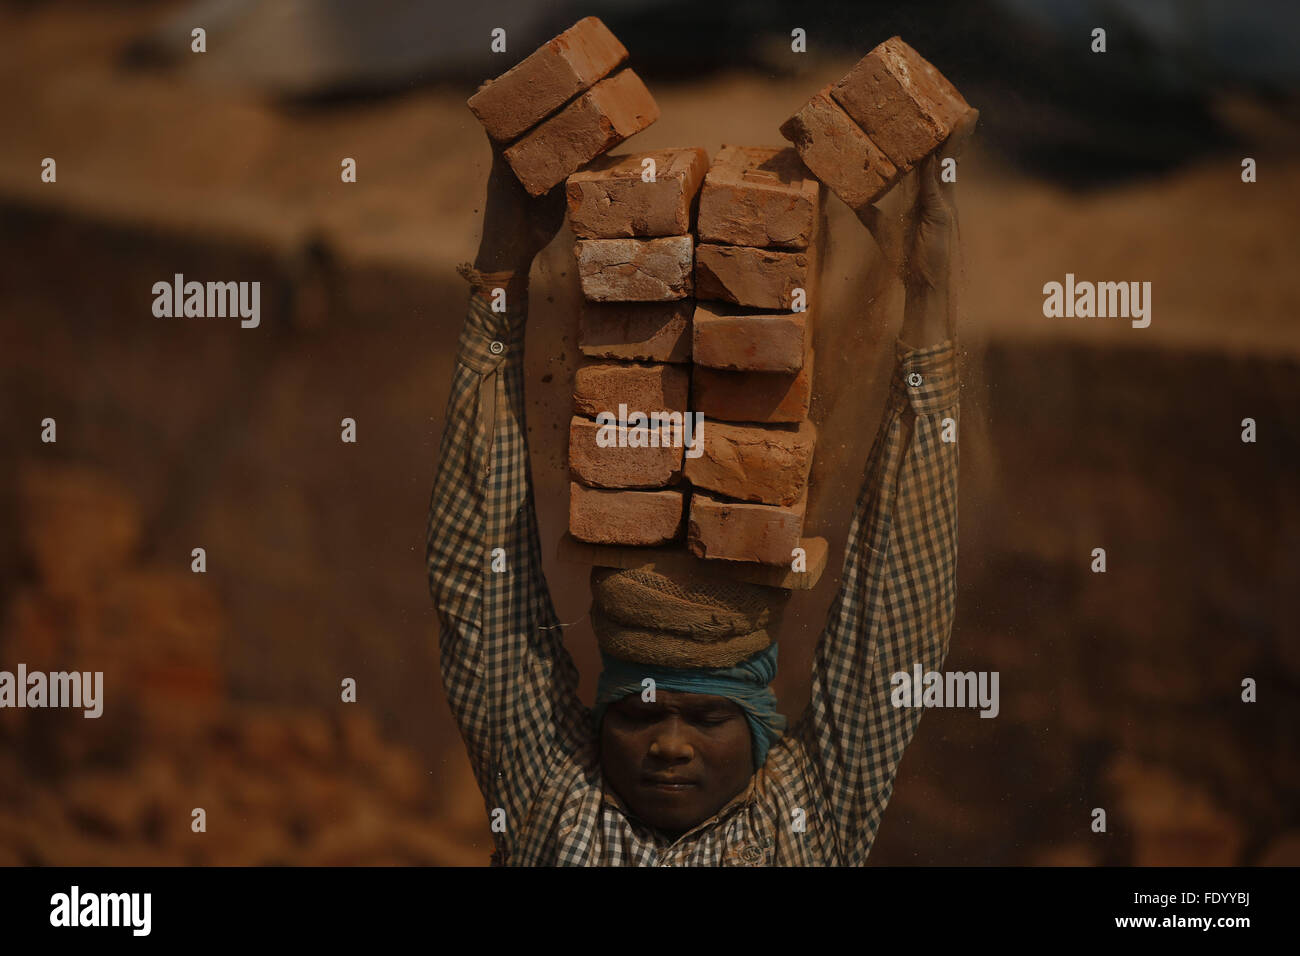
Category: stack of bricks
<point>861,134</point>
<point>565,104</point>
<point>632,216</point>
<point>756,268</point>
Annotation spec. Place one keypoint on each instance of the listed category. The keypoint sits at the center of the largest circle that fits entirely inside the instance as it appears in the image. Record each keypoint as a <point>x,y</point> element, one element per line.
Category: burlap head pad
<point>650,615</point>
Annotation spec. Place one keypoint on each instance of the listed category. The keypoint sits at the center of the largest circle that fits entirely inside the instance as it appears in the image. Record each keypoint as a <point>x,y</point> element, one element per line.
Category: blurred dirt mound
<point>279,785</point>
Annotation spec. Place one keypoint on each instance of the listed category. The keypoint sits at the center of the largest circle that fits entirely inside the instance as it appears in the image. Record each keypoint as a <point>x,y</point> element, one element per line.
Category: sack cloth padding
<point>680,619</point>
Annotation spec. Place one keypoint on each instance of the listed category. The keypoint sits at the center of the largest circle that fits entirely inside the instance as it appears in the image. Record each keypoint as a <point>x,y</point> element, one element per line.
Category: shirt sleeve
<point>894,608</point>
<point>510,681</point>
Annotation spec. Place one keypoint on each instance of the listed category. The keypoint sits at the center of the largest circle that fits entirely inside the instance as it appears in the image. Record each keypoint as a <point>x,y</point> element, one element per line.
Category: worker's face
<point>677,761</point>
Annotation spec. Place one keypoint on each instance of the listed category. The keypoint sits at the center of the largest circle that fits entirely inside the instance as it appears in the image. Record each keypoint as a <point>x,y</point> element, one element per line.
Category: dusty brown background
<point>1118,691</point>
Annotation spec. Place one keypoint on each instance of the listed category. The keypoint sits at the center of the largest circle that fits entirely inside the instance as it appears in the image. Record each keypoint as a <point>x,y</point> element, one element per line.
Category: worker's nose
<point>670,743</point>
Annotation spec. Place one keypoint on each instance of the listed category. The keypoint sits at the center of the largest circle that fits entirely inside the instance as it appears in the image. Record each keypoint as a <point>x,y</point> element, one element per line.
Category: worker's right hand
<point>516,226</point>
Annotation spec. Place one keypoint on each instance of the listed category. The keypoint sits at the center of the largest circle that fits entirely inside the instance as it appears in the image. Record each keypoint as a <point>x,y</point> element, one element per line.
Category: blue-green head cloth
<point>746,684</point>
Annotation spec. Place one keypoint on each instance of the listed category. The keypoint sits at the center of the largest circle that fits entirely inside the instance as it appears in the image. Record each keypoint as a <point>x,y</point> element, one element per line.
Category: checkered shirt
<point>512,685</point>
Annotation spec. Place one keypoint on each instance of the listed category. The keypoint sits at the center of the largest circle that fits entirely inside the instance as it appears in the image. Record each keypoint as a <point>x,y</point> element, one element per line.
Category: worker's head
<point>684,707</point>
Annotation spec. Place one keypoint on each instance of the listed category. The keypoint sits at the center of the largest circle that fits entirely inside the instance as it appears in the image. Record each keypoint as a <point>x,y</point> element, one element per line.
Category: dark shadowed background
<point>1118,690</point>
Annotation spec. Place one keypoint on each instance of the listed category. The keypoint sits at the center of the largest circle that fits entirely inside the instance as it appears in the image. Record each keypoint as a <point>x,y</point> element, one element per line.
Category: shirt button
<point>496,348</point>
<point>914,379</point>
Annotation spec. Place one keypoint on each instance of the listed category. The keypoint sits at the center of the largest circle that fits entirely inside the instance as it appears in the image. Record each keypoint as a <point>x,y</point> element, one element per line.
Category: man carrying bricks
<point>701,769</point>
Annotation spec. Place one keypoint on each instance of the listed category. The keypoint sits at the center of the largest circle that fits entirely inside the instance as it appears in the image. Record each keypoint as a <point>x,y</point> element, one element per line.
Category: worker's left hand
<point>914,224</point>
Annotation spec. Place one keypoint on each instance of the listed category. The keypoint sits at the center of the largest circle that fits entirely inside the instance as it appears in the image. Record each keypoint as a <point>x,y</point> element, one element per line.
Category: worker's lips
<point>670,784</point>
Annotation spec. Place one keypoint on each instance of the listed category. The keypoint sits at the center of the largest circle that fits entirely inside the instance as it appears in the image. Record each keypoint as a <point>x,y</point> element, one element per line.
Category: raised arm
<point>894,609</point>
<point>511,684</point>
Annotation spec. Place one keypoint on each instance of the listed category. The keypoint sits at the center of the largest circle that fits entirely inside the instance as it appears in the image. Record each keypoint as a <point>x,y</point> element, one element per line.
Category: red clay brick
<point>635,270</point>
<point>763,278</point>
<point>609,200</point>
<point>839,153</point>
<point>620,467</point>
<point>759,196</point>
<point>636,331</point>
<point>741,531</point>
<point>602,387</point>
<point>597,121</point>
<point>624,517</point>
<point>732,338</point>
<point>901,101</point>
<point>546,79</point>
<point>764,463</point>
<point>766,397</point>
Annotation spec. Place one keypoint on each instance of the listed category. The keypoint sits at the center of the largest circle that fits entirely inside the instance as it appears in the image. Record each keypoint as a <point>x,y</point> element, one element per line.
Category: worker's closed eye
<point>715,720</point>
